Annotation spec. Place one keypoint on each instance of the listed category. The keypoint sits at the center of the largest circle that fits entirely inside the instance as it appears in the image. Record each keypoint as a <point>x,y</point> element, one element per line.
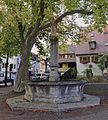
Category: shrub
<point>81,78</point>
<point>98,79</point>
<point>93,80</point>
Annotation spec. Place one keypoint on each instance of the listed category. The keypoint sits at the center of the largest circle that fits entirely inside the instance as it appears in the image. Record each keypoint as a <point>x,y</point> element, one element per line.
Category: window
<point>70,56</point>
<point>14,66</point>
<point>85,60</point>
<point>1,74</point>
<point>3,65</point>
<point>60,65</point>
<point>94,59</point>
<point>106,64</point>
<point>92,45</point>
<point>11,65</point>
<point>106,44</point>
<point>63,56</point>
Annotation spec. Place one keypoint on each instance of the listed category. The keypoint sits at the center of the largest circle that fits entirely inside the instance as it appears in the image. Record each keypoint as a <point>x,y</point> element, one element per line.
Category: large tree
<point>33,17</point>
<point>8,46</point>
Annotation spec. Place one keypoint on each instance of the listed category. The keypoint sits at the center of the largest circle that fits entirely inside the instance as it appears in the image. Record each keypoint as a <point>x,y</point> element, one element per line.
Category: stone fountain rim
<point>55,83</point>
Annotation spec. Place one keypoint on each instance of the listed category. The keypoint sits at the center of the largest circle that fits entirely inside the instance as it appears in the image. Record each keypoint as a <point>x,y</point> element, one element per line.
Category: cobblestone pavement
<point>93,113</point>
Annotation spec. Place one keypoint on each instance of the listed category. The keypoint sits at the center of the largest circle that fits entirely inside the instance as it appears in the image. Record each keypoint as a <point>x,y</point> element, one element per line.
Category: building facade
<point>87,53</point>
<point>37,65</point>
<point>13,63</point>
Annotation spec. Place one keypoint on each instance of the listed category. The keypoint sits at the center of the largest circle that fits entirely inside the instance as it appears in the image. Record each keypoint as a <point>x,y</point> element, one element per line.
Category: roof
<point>83,48</point>
<point>71,48</point>
<point>101,43</point>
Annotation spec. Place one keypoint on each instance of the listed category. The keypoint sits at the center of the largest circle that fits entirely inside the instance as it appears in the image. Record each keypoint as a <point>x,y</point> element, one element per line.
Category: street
<point>93,113</point>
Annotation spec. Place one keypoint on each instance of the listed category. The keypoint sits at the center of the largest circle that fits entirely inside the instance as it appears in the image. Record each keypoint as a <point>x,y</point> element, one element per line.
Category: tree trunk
<point>29,42</point>
<point>23,74</point>
<point>6,70</point>
<point>46,65</point>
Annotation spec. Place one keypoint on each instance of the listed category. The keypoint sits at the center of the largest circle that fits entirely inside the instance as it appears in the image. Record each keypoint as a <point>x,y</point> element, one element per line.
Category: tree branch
<point>38,22</point>
<point>41,13</point>
<point>59,19</point>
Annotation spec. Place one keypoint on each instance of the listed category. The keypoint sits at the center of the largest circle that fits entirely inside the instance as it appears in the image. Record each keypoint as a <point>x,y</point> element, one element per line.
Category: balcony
<point>67,60</point>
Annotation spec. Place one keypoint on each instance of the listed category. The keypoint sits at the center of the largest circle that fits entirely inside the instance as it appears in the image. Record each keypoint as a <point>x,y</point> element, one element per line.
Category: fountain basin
<point>54,92</point>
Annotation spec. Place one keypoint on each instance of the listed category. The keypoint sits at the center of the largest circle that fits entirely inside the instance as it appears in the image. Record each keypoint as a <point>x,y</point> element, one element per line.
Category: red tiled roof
<point>101,44</point>
<point>83,48</point>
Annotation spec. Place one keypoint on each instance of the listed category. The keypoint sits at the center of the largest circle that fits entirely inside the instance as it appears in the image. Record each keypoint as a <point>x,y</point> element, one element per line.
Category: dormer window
<point>92,45</point>
<point>106,44</point>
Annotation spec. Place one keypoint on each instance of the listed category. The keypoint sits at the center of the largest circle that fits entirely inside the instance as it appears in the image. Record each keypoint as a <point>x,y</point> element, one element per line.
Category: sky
<point>34,50</point>
<point>80,22</point>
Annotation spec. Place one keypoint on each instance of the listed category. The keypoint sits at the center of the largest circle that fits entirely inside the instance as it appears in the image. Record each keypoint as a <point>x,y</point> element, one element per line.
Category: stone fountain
<point>54,91</point>
<point>52,95</point>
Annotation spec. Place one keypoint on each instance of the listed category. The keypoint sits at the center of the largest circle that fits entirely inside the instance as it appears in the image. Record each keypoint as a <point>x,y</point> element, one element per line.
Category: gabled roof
<point>83,48</point>
<point>101,43</point>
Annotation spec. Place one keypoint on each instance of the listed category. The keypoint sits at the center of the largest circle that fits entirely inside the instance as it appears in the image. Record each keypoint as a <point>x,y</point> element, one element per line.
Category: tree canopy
<point>20,16</point>
<point>22,21</point>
